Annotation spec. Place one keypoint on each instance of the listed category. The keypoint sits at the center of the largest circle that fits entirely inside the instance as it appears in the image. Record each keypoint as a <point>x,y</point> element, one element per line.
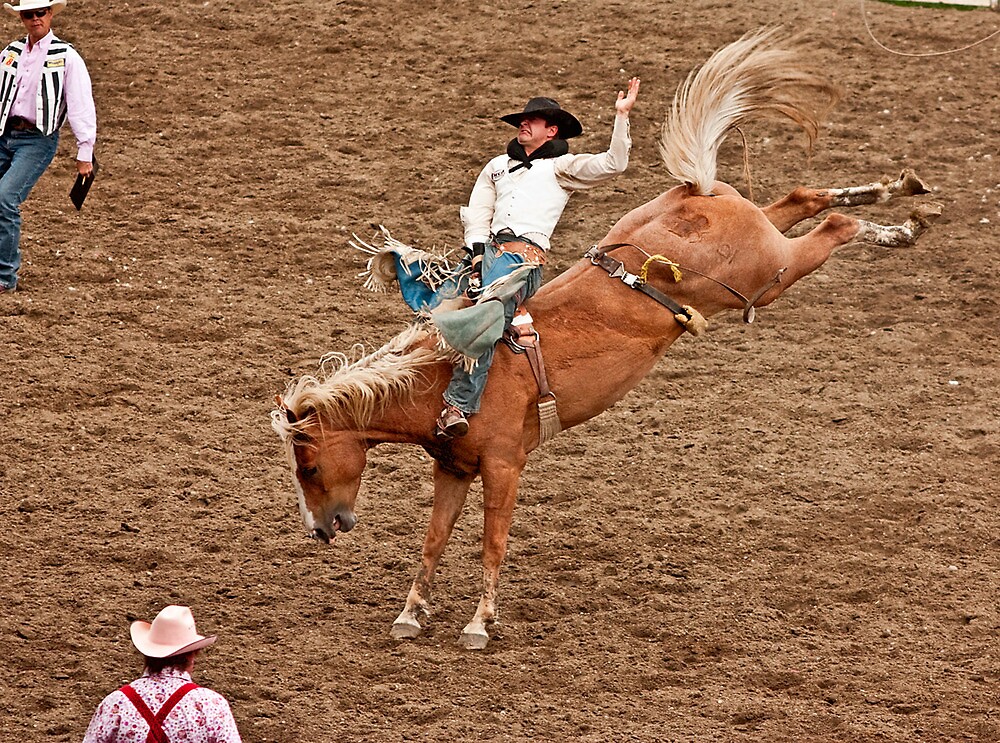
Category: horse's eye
<point>308,471</point>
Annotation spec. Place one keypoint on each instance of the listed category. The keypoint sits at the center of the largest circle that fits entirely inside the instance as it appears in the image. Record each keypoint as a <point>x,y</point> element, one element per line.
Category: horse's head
<point>327,464</point>
<point>326,423</point>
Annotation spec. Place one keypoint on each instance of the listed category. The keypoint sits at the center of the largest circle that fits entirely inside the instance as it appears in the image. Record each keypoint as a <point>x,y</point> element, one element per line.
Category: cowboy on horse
<point>515,205</point>
<point>513,210</point>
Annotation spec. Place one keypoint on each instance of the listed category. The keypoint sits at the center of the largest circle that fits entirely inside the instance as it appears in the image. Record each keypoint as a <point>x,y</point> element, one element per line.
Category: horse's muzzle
<point>320,536</point>
<point>342,522</point>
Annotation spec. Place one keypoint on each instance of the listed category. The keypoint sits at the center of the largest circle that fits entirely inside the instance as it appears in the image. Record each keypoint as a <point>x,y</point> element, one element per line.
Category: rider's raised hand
<point>626,100</point>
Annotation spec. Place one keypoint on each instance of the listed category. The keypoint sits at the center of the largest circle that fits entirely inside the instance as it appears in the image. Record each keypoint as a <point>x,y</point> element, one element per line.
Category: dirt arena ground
<point>788,532</point>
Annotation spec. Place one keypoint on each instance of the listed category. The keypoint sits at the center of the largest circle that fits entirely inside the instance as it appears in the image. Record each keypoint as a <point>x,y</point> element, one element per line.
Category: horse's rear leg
<point>903,235</point>
<point>500,481</point>
<point>810,251</point>
<point>450,491</point>
<point>908,184</point>
<point>803,203</point>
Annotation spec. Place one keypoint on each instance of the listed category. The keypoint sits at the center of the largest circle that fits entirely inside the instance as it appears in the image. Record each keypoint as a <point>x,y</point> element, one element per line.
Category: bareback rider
<point>514,208</point>
<point>43,82</point>
<point>164,704</point>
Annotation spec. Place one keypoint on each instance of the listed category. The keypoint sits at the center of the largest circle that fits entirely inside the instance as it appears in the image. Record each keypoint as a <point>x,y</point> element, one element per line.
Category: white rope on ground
<point>864,17</point>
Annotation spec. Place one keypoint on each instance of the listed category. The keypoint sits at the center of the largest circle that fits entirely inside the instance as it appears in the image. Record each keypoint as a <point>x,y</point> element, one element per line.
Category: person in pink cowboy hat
<point>164,704</point>
<point>43,83</point>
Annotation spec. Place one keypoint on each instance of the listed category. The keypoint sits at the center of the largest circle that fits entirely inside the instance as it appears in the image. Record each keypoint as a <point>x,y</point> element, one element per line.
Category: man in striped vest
<point>165,705</point>
<point>43,81</point>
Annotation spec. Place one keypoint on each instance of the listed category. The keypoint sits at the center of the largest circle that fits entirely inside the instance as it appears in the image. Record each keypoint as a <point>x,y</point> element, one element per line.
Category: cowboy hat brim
<point>56,6</point>
<point>139,631</point>
<point>569,125</point>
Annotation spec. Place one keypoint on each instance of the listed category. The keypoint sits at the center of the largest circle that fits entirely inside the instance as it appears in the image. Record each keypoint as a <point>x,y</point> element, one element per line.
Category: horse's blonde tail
<point>761,73</point>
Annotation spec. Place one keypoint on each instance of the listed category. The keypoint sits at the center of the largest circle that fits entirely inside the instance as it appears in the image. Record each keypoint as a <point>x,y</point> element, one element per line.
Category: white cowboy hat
<point>56,6</point>
<point>171,633</point>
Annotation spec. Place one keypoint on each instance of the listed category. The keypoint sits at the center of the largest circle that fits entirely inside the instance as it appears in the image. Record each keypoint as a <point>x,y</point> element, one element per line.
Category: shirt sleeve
<point>104,724</point>
<point>577,172</point>
<point>477,217</point>
<point>80,106</point>
<point>227,731</point>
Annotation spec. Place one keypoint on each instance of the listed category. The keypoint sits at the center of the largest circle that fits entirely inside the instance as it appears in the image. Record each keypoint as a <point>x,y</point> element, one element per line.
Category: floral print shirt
<point>202,716</point>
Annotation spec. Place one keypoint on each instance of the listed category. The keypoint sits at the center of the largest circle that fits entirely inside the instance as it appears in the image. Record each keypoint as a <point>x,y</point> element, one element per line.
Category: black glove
<point>476,276</point>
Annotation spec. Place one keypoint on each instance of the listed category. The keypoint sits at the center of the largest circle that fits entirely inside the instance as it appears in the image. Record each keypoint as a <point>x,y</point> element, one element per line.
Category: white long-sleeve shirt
<point>530,201</point>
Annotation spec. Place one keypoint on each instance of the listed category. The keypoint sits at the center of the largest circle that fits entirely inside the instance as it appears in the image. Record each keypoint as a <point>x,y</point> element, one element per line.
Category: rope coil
<point>868,28</point>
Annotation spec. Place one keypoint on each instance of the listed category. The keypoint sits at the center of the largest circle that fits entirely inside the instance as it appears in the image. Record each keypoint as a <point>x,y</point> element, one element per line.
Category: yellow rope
<point>694,322</point>
<point>674,268</point>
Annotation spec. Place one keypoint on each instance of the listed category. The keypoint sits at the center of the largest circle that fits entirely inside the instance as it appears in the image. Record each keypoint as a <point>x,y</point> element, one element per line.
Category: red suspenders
<point>156,734</point>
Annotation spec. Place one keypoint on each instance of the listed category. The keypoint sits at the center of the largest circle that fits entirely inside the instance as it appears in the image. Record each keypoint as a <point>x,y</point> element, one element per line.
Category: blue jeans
<point>24,156</point>
<point>466,389</point>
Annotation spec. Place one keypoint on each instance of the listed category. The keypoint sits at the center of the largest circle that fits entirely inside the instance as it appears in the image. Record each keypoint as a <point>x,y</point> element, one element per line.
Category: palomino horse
<point>600,336</point>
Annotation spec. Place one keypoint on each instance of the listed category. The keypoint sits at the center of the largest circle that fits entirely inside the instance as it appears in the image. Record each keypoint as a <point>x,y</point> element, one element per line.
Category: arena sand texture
<point>787,532</point>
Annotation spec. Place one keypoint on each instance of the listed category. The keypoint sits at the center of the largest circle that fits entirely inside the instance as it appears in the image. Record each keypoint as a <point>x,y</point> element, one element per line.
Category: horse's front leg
<point>803,203</point>
<point>500,480</point>
<point>450,490</point>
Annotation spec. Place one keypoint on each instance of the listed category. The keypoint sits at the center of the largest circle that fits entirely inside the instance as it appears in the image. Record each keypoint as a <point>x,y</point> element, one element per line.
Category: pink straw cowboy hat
<point>56,6</point>
<point>171,633</point>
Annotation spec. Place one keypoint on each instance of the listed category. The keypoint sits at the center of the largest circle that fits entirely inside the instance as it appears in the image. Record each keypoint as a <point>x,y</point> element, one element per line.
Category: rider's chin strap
<point>688,317</point>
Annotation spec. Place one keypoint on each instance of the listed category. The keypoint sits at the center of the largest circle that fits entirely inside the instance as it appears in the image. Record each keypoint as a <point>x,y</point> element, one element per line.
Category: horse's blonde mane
<point>758,74</point>
<point>352,392</point>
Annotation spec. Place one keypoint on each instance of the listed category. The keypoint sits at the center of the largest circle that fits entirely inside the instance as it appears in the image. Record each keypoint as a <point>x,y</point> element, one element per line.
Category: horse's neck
<point>408,417</point>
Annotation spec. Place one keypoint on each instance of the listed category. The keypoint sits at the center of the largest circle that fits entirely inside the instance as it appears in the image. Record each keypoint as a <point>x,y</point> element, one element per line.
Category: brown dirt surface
<point>787,532</point>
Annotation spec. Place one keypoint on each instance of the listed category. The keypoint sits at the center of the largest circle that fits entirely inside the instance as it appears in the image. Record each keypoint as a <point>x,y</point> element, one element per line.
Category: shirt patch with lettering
<point>9,60</point>
<point>55,62</point>
<point>498,174</point>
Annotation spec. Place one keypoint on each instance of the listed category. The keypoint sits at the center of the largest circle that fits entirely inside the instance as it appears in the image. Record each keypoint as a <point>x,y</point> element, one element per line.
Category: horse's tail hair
<point>760,73</point>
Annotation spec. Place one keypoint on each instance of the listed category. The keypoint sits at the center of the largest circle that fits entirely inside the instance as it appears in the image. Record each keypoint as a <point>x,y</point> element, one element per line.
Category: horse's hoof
<point>926,214</point>
<point>474,640</point>
<point>911,185</point>
<point>405,631</point>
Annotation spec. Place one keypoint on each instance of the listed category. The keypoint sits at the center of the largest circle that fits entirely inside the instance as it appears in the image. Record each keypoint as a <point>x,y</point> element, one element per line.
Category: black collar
<point>552,148</point>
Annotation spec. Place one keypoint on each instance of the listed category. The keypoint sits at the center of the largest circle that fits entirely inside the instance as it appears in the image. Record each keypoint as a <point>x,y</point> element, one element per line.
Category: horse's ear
<point>289,415</point>
<point>294,418</point>
<point>299,438</point>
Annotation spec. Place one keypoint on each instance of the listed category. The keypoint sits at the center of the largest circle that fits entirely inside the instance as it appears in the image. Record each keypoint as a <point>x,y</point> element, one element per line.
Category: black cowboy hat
<point>548,109</point>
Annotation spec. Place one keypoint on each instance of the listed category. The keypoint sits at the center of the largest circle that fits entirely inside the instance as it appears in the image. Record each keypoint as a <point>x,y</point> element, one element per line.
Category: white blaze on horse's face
<point>327,474</point>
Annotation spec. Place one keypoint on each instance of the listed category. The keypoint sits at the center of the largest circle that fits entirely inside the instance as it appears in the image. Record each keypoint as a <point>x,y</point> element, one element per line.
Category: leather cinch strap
<point>156,733</point>
<point>686,316</point>
<point>616,270</point>
<point>690,318</point>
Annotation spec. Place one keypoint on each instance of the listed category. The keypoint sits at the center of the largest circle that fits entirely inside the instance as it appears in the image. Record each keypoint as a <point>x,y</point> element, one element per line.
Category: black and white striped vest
<point>50,109</point>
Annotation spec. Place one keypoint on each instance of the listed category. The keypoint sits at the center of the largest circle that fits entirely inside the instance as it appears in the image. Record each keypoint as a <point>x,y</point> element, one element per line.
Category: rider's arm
<point>477,217</point>
<point>575,172</point>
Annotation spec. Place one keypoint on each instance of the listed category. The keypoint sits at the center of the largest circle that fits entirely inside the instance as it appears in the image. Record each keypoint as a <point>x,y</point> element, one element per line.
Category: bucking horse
<point>697,250</point>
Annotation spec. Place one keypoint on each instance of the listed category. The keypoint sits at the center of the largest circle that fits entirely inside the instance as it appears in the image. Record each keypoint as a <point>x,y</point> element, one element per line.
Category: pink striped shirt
<point>202,716</point>
<point>79,96</point>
